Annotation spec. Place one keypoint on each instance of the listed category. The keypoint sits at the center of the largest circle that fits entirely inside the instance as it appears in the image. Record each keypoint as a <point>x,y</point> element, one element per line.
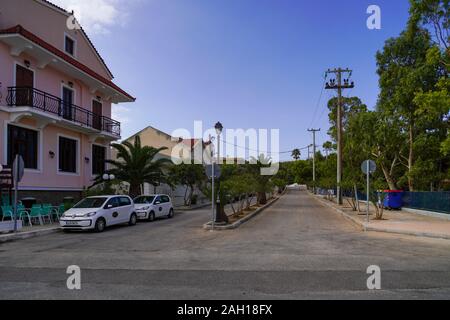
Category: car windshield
<point>90,203</point>
<point>144,200</point>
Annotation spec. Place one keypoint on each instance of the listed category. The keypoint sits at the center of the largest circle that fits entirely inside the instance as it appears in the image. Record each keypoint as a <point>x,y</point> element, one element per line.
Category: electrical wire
<point>319,100</point>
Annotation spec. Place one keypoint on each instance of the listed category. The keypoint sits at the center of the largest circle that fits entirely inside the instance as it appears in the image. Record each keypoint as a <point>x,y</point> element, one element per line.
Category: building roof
<point>67,13</point>
<point>189,142</point>
<point>42,43</point>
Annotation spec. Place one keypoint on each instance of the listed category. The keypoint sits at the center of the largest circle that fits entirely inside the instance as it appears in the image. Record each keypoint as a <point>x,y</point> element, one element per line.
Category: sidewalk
<point>399,222</point>
<point>30,232</point>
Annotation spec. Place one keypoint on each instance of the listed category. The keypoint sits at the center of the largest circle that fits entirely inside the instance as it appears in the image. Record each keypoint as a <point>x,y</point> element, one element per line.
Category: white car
<point>153,206</point>
<point>99,212</point>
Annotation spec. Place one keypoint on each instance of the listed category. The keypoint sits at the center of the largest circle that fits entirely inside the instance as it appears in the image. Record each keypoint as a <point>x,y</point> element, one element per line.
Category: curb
<point>26,235</point>
<point>365,227</point>
<point>355,221</point>
<point>237,224</point>
<point>183,209</point>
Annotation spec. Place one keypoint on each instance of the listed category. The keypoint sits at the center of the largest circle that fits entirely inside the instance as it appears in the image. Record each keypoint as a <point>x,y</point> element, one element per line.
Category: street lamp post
<point>220,217</point>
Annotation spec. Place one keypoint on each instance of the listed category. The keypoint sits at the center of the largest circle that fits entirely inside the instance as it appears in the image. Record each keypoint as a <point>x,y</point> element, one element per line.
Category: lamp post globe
<point>108,177</point>
<point>218,128</point>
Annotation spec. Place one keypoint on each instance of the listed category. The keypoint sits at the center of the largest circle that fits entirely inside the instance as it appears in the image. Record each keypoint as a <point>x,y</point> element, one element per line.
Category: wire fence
<point>429,201</point>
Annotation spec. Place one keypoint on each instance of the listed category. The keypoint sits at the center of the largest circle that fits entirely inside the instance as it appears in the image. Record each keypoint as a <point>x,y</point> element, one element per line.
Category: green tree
<point>263,183</point>
<point>407,66</point>
<point>137,164</point>
<point>191,176</point>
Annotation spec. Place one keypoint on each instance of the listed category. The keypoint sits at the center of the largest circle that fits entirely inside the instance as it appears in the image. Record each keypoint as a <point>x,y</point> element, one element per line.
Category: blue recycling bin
<point>393,199</point>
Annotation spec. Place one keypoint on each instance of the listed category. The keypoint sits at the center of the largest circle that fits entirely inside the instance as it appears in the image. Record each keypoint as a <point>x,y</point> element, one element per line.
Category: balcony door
<point>97,111</point>
<point>24,84</point>
<point>67,102</point>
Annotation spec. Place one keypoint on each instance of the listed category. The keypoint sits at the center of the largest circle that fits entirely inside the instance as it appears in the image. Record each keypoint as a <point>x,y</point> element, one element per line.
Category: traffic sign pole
<point>212,200</point>
<point>18,172</point>
<point>16,186</point>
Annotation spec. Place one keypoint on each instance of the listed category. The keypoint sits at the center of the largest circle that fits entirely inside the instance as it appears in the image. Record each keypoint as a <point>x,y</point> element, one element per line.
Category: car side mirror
<point>157,202</point>
<point>108,206</point>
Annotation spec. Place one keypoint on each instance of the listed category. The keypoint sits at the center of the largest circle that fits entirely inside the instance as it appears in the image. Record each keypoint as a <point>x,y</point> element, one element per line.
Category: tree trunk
<point>134,190</point>
<point>262,199</point>
<point>185,195</point>
<point>388,177</point>
<point>356,198</point>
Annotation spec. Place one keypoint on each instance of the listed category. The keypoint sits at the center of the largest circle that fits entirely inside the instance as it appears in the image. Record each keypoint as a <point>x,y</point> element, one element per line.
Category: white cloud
<point>98,16</point>
<point>120,113</point>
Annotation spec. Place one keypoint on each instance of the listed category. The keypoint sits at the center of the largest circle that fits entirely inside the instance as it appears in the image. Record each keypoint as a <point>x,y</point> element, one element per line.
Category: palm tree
<point>296,154</point>
<point>136,164</point>
<point>263,182</point>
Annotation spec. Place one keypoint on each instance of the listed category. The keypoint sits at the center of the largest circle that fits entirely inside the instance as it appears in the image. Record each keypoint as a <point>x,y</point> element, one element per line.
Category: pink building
<point>55,100</point>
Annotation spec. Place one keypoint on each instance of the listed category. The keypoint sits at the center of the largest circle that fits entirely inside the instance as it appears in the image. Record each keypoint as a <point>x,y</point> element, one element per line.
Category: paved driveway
<point>296,249</point>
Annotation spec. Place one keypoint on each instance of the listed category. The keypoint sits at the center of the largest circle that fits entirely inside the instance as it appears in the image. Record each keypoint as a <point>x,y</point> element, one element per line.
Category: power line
<point>318,101</point>
<point>254,150</point>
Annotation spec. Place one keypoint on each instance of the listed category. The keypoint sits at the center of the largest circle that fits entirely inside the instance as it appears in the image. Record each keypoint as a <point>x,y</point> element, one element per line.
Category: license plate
<point>71,223</point>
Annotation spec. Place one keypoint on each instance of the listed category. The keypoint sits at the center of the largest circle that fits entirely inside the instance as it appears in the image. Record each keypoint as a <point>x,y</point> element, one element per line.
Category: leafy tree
<point>191,176</point>
<point>407,65</point>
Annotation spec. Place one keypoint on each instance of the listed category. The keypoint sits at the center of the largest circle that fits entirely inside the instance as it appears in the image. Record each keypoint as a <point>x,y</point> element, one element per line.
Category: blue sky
<point>248,63</point>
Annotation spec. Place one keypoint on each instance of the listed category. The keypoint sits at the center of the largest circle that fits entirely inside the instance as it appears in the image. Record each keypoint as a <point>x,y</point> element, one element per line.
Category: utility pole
<point>309,151</point>
<point>339,86</point>
<point>314,157</point>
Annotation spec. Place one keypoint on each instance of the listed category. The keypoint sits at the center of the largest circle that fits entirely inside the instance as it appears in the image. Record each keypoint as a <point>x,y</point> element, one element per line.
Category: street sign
<point>18,168</point>
<point>368,164</point>
<point>209,171</point>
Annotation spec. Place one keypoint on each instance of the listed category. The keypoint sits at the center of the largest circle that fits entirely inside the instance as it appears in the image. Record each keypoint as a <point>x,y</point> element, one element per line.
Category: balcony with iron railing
<point>48,103</point>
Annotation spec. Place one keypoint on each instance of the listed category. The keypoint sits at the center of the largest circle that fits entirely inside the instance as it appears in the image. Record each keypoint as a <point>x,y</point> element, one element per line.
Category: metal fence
<point>430,201</point>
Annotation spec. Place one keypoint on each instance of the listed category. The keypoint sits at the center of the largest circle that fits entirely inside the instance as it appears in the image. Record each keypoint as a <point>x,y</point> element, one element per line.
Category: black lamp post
<point>221,217</point>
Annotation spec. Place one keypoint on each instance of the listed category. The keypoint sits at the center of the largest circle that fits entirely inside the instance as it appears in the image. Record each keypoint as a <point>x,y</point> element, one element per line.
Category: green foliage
<point>190,176</point>
<point>137,164</point>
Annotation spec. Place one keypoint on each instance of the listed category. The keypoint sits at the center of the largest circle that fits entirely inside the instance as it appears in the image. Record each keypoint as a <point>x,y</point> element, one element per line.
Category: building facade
<point>56,94</point>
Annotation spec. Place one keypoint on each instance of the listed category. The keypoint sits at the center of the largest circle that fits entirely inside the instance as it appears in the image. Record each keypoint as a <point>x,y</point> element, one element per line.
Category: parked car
<point>99,212</point>
<point>150,207</point>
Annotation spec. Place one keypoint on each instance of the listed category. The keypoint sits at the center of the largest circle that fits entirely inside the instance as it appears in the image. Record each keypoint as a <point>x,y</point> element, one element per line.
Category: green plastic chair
<point>5,200</point>
<point>7,212</point>
<point>35,212</point>
<point>58,211</point>
<point>23,213</point>
<point>46,211</point>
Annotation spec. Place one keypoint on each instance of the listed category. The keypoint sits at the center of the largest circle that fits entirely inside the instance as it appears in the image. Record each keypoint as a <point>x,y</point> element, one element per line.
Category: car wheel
<point>100,225</point>
<point>133,219</point>
<point>151,216</point>
<point>170,214</point>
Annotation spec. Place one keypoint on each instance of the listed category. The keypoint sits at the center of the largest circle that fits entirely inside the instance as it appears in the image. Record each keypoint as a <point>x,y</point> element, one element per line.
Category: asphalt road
<point>297,249</point>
